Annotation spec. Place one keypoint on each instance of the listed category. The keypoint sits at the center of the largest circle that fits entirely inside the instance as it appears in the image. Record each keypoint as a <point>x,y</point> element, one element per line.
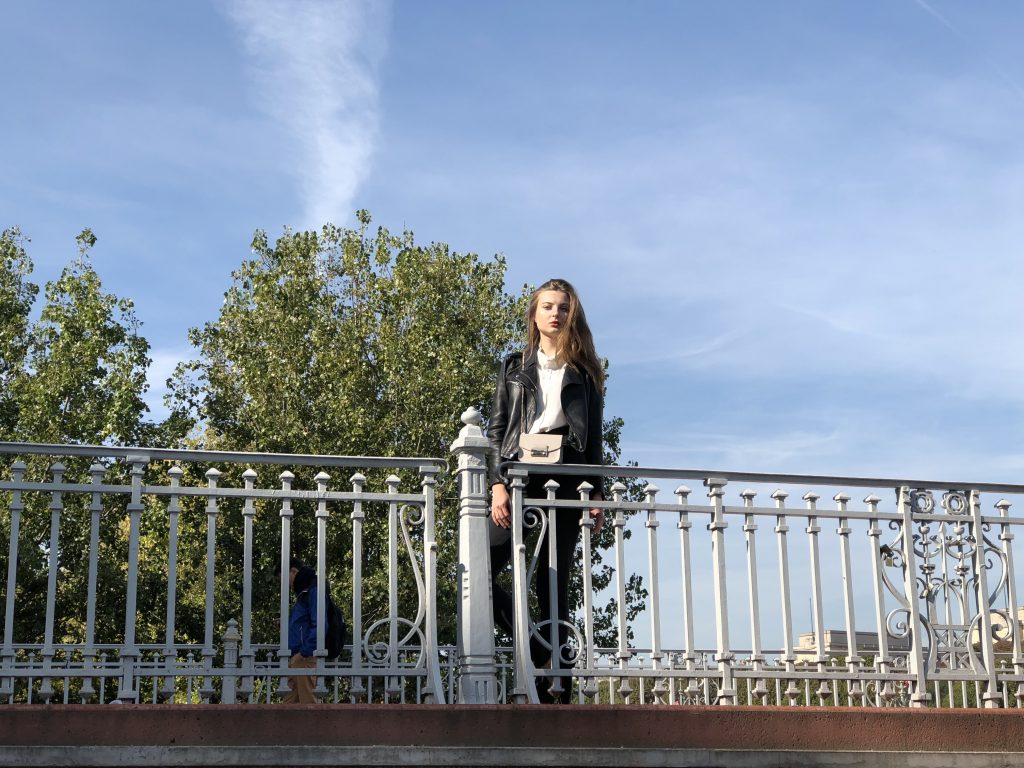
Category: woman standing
<point>554,387</point>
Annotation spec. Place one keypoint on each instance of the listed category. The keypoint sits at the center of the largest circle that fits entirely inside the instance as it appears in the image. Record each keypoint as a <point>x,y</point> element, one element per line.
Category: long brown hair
<point>576,342</point>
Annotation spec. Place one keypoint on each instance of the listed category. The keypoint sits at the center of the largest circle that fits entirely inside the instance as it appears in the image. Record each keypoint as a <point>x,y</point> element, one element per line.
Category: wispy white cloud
<point>727,451</point>
<point>315,73</point>
<point>995,65</point>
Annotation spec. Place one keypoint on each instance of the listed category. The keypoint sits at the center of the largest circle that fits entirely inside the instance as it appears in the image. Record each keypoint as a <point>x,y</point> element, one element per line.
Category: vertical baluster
<point>782,539</point>
<point>87,690</point>
<point>206,691</point>
<point>433,691</point>
<point>588,688</point>
<point>557,682</point>
<point>855,686</point>
<point>56,508</point>
<point>686,567</point>
<point>717,526</point>
<point>130,652</point>
<point>813,529</point>
<point>7,654</point>
<point>283,651</point>
<point>883,662</point>
<point>322,515</point>
<point>393,687</point>
<point>962,569</point>
<point>1006,536</point>
<point>990,697</point>
<point>246,654</point>
<point>624,653</point>
<point>920,696</point>
<point>358,515</point>
<point>525,690</point>
<point>759,691</point>
<point>103,680</point>
<point>230,640</point>
<point>173,512</point>
<point>659,690</point>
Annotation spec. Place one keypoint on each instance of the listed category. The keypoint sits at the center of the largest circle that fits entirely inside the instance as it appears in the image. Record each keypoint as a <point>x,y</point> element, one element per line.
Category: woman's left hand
<point>597,515</point>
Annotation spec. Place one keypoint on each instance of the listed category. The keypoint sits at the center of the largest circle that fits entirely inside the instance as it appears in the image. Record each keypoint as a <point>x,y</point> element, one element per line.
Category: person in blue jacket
<point>302,633</point>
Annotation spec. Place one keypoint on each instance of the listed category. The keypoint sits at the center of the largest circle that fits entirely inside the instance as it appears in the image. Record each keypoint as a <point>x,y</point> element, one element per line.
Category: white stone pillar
<point>477,678</point>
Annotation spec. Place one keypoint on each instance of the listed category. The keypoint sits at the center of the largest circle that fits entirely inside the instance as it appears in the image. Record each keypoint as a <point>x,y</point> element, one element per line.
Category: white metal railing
<point>135,506</point>
<point>890,592</point>
<point>930,572</point>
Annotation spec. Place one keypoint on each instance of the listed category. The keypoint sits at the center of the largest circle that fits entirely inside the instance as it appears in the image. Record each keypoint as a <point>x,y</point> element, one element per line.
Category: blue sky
<point>795,225</point>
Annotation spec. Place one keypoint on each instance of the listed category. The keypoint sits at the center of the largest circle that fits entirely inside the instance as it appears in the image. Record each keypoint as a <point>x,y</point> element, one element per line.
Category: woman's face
<point>551,313</point>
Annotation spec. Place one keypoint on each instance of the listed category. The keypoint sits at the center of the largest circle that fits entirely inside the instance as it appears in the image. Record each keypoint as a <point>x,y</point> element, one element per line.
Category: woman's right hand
<point>501,508</point>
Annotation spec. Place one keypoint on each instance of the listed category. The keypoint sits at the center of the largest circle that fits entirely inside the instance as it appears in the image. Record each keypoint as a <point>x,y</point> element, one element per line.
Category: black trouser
<point>567,529</point>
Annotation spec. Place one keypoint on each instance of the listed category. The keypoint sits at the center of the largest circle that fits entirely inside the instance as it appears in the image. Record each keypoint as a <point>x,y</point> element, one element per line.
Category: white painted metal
<point>1006,536</point>
<point>624,653</point>
<point>813,529</point>
<point>128,691</point>
<point>991,695</point>
<point>209,651</point>
<point>477,683</point>
<point>7,653</point>
<point>96,472</point>
<point>525,690</point>
<point>788,656</point>
<point>283,651</point>
<point>723,653</point>
<point>689,657</point>
<point>758,692</point>
<point>173,512</point>
<point>357,687</point>
<point>321,480</point>
<point>855,689</point>
<point>246,653</point>
<point>588,685</point>
<point>938,586</point>
<point>53,552</point>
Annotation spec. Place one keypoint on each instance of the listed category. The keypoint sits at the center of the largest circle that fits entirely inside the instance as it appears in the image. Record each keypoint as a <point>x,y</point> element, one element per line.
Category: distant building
<point>1002,634</point>
<point>836,645</point>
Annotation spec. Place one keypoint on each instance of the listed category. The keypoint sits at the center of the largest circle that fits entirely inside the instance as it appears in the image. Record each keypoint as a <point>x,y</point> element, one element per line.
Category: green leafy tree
<point>86,368</point>
<point>346,341</point>
<point>77,375</point>
<point>352,342</point>
<point>17,295</point>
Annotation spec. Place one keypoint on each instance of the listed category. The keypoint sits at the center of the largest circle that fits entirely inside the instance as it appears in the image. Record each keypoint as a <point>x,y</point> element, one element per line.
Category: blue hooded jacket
<point>302,621</point>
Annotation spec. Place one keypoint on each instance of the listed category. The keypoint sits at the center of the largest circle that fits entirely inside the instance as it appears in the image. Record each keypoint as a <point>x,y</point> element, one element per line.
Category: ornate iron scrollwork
<point>946,552</point>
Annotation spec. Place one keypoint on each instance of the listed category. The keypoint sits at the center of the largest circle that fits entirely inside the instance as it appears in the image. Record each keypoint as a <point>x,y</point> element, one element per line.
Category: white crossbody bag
<point>541,448</point>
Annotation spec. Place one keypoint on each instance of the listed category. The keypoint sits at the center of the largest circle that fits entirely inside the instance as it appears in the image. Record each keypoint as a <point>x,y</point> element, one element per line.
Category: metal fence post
<point>477,674</point>
<point>7,653</point>
<point>227,687</point>
<point>717,526</point>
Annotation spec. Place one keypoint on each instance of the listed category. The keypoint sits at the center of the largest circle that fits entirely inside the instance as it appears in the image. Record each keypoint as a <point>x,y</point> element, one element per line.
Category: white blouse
<point>549,406</point>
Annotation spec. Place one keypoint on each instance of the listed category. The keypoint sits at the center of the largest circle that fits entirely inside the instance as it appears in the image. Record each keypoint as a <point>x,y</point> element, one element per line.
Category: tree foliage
<point>75,375</point>
<point>340,341</point>
<point>355,342</point>
<point>86,368</point>
<point>348,342</point>
<point>17,295</point>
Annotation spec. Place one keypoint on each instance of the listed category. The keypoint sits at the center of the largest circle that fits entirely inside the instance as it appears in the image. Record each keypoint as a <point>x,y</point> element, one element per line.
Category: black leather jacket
<point>515,408</point>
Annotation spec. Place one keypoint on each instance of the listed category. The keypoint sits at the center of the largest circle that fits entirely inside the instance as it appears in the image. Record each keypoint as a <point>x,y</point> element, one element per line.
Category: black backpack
<point>336,633</point>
